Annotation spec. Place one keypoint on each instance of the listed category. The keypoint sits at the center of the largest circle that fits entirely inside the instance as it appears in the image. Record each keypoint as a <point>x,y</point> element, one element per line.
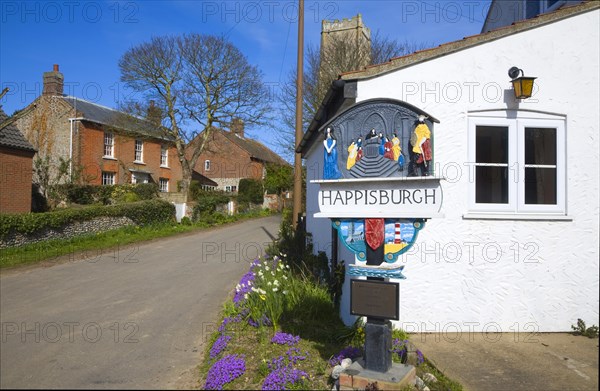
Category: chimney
<point>53,82</point>
<point>154,113</point>
<point>237,127</point>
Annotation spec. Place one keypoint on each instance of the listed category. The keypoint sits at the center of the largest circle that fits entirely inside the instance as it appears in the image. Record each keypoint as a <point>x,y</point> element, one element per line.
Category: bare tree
<point>198,81</point>
<point>322,68</point>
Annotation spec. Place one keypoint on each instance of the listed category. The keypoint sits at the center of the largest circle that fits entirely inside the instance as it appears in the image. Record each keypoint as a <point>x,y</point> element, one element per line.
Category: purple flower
<point>348,352</point>
<point>282,378</point>
<point>285,339</point>
<point>400,347</point>
<point>224,371</point>
<point>252,322</point>
<point>244,287</point>
<point>228,320</point>
<point>420,358</point>
<point>219,345</point>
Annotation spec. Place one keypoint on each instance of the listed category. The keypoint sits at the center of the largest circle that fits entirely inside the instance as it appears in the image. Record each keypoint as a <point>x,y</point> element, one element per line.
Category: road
<point>133,317</point>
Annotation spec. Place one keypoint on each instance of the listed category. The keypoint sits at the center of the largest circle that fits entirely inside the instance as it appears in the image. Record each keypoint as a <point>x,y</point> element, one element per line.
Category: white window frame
<point>164,156</point>
<point>109,145</point>
<point>516,167</point>
<point>108,178</point>
<point>207,165</point>
<point>139,149</point>
<point>165,182</point>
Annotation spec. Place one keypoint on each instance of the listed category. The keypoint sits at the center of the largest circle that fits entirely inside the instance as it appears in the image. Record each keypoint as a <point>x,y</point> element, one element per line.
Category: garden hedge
<point>142,213</point>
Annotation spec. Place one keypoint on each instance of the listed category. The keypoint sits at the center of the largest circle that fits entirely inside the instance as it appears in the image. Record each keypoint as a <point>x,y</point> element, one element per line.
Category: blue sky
<point>87,38</point>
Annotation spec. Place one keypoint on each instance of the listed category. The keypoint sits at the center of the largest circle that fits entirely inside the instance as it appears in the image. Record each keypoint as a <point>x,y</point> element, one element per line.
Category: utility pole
<point>299,80</point>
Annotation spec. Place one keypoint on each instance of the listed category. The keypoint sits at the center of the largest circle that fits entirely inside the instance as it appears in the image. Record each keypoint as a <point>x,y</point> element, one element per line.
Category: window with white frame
<point>231,189</point>
<point>517,165</point>
<point>164,156</point>
<point>109,144</point>
<point>163,185</point>
<point>108,178</point>
<point>139,151</point>
<point>207,165</point>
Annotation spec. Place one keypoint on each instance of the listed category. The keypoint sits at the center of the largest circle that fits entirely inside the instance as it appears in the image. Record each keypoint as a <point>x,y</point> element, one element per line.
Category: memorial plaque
<point>375,299</point>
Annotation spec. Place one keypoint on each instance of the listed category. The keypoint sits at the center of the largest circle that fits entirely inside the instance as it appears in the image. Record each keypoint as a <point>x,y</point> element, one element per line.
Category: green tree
<point>278,178</point>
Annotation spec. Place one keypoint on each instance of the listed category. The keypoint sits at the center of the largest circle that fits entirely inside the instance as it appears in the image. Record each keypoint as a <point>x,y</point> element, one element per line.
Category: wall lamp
<point>523,85</point>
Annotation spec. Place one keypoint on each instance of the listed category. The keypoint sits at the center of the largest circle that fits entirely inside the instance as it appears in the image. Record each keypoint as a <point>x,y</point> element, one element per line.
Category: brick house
<point>16,159</point>
<point>230,156</point>
<point>105,146</point>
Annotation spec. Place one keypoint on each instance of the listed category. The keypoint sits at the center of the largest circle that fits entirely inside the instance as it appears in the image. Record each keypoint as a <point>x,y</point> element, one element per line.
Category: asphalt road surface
<point>133,317</point>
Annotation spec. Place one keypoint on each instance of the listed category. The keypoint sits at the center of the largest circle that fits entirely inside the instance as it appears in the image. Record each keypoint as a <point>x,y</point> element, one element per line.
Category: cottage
<point>104,146</point>
<point>514,246</point>
<point>230,156</point>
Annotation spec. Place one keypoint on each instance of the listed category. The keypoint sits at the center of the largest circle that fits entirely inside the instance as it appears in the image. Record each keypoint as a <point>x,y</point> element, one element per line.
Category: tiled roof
<point>467,42</point>
<point>256,149</point>
<point>11,137</point>
<point>106,116</point>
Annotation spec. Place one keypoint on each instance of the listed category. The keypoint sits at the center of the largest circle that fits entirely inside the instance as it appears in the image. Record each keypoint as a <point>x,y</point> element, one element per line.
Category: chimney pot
<point>55,67</point>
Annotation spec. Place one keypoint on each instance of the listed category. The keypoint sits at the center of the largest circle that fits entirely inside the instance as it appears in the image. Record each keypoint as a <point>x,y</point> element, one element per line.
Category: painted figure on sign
<point>388,151</point>
<point>421,148</point>
<point>359,150</point>
<point>371,134</point>
<point>398,157</point>
<point>330,158</point>
<point>381,144</point>
<point>352,152</point>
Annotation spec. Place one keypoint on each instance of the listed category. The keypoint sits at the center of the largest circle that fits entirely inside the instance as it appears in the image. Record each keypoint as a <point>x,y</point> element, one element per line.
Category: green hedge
<point>207,202</point>
<point>142,213</point>
<point>250,190</point>
<point>88,194</point>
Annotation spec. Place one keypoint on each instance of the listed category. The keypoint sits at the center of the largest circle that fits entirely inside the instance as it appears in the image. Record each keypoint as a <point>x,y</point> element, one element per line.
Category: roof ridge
<point>445,48</point>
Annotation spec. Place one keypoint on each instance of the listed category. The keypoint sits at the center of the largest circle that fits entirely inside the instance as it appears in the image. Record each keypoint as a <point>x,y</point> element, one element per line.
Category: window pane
<point>491,144</point>
<point>540,186</point>
<point>491,185</point>
<point>540,146</point>
<point>532,8</point>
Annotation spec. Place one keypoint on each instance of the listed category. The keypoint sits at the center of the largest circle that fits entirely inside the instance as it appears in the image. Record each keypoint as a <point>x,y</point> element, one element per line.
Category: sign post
<point>378,191</point>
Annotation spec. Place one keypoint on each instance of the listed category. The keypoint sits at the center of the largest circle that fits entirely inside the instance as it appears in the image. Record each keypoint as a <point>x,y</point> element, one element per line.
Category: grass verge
<point>90,246</point>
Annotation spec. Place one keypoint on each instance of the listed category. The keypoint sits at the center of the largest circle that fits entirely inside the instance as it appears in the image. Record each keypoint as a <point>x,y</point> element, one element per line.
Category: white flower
<point>254,289</point>
<point>276,283</point>
<point>274,289</point>
<point>287,266</point>
<point>262,291</point>
<point>245,296</point>
<point>267,268</point>
<point>284,276</point>
<point>260,273</point>
<point>237,287</point>
<point>269,283</point>
<point>285,292</point>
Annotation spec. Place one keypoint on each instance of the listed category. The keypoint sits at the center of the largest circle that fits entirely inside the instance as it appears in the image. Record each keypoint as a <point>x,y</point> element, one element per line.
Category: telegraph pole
<point>299,80</point>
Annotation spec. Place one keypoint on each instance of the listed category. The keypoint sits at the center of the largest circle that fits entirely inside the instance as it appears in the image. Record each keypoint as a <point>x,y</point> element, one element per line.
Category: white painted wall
<point>507,294</point>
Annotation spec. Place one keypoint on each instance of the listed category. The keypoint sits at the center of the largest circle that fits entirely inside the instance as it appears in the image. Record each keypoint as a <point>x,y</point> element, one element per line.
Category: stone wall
<point>76,228</point>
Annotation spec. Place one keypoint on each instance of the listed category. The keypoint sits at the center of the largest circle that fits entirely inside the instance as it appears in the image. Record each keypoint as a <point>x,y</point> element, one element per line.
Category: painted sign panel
<point>378,138</point>
<point>375,299</point>
<point>398,236</point>
<point>419,197</point>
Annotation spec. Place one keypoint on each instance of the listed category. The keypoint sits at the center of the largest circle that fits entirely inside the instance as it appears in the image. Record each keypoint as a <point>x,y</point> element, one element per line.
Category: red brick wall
<point>15,180</point>
<point>227,160</point>
<point>91,152</point>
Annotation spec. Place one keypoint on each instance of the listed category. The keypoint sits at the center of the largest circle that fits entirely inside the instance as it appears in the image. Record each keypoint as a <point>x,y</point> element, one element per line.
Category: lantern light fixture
<point>523,85</point>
